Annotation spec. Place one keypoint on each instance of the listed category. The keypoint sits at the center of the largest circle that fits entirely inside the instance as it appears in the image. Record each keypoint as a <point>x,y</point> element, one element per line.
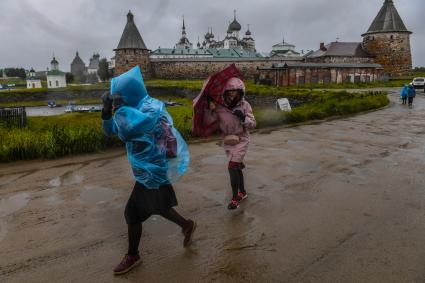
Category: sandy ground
<point>340,201</point>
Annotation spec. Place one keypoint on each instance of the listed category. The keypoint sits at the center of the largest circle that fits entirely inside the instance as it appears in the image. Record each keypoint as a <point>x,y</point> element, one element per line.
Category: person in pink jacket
<point>235,119</point>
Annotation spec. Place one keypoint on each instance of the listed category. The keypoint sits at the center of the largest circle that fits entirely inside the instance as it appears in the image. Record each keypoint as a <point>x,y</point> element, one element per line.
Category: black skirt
<point>145,202</point>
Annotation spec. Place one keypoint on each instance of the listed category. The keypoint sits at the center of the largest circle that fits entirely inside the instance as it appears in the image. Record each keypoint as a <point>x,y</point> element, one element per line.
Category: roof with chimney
<point>387,20</point>
<point>340,49</point>
<point>131,38</point>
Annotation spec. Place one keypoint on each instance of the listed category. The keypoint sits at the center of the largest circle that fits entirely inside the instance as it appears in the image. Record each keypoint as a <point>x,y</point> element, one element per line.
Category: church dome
<point>54,61</point>
<point>235,26</point>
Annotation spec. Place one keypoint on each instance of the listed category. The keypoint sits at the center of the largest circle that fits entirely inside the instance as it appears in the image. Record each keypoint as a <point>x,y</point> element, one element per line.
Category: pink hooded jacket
<point>231,125</point>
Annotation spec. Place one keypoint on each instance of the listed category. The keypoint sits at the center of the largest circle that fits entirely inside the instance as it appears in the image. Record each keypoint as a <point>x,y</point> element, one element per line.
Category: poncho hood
<point>130,86</point>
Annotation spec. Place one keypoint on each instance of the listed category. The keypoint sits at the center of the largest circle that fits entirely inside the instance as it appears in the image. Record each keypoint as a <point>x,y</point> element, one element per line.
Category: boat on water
<point>53,104</point>
<point>72,107</point>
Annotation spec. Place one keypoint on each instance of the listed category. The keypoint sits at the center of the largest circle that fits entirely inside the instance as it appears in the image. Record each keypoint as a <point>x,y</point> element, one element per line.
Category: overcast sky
<point>31,31</point>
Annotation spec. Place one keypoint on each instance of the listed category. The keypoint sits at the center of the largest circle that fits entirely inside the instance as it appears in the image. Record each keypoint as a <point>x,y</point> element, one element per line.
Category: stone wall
<point>201,69</point>
<point>125,59</point>
<point>391,50</point>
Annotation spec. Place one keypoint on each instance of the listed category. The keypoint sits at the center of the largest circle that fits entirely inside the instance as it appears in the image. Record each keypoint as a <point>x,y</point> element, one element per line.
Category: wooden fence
<point>13,116</point>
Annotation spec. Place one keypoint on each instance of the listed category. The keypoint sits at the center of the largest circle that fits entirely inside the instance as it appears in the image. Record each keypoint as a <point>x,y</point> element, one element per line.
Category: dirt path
<point>342,201</point>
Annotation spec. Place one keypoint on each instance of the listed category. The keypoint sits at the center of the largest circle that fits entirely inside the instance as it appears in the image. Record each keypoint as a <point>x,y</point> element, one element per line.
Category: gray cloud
<point>32,30</point>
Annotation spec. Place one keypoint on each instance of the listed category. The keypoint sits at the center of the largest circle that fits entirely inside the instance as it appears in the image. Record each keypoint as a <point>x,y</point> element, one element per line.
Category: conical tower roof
<point>131,38</point>
<point>387,20</point>
<point>77,60</point>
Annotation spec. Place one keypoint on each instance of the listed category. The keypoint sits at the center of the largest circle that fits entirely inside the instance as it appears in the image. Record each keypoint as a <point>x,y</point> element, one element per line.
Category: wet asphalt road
<point>340,201</point>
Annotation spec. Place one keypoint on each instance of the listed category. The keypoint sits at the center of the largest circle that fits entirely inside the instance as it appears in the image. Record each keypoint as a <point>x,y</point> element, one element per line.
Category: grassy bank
<point>328,105</point>
<point>56,136</point>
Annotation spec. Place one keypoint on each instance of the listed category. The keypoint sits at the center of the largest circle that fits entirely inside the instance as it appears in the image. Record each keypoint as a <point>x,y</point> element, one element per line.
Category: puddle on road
<point>69,178</point>
<point>215,160</point>
<point>96,194</point>
<point>53,200</point>
<point>13,204</point>
<point>55,182</point>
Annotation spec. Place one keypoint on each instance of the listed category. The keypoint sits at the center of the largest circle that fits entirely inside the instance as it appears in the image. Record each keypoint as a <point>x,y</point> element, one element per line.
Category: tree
<point>16,72</point>
<point>103,70</point>
<point>69,77</point>
<point>1,73</point>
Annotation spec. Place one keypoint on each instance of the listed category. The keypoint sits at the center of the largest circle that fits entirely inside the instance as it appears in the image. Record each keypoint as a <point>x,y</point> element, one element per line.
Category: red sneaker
<point>233,204</point>
<point>188,233</point>
<point>242,196</point>
<point>127,263</point>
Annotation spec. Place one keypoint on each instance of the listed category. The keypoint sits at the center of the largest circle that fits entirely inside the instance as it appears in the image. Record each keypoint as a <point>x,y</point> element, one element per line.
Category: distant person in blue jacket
<point>157,153</point>
<point>411,94</point>
<point>403,94</point>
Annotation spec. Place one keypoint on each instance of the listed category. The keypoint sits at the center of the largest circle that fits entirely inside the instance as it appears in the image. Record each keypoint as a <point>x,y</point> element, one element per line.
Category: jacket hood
<point>130,86</point>
<point>234,84</point>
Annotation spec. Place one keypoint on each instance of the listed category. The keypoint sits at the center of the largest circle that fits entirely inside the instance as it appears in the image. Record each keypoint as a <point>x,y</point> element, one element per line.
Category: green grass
<point>328,105</point>
<point>52,137</point>
<point>56,136</point>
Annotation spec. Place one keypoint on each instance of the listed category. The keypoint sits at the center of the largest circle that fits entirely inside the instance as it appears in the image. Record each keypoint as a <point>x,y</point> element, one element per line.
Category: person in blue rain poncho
<point>157,153</point>
<point>403,94</point>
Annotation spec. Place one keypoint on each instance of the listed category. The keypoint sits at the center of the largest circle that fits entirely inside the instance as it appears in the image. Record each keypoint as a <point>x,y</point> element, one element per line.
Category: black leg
<point>234,181</point>
<point>134,235</point>
<point>241,181</point>
<point>172,215</point>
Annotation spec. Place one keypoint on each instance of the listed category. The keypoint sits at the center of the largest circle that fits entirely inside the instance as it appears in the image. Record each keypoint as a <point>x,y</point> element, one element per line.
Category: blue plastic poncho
<point>143,123</point>
<point>404,91</point>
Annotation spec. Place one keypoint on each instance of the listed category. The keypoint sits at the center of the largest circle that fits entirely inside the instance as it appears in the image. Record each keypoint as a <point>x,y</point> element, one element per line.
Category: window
<point>50,83</point>
<point>57,83</point>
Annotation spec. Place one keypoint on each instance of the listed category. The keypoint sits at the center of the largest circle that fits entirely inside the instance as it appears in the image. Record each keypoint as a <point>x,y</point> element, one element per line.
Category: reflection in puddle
<point>56,182</point>
<point>96,194</point>
<point>69,178</point>
<point>215,160</point>
<point>13,204</point>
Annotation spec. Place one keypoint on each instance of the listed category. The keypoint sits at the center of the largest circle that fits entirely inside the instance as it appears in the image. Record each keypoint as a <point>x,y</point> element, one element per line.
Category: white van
<point>418,82</point>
